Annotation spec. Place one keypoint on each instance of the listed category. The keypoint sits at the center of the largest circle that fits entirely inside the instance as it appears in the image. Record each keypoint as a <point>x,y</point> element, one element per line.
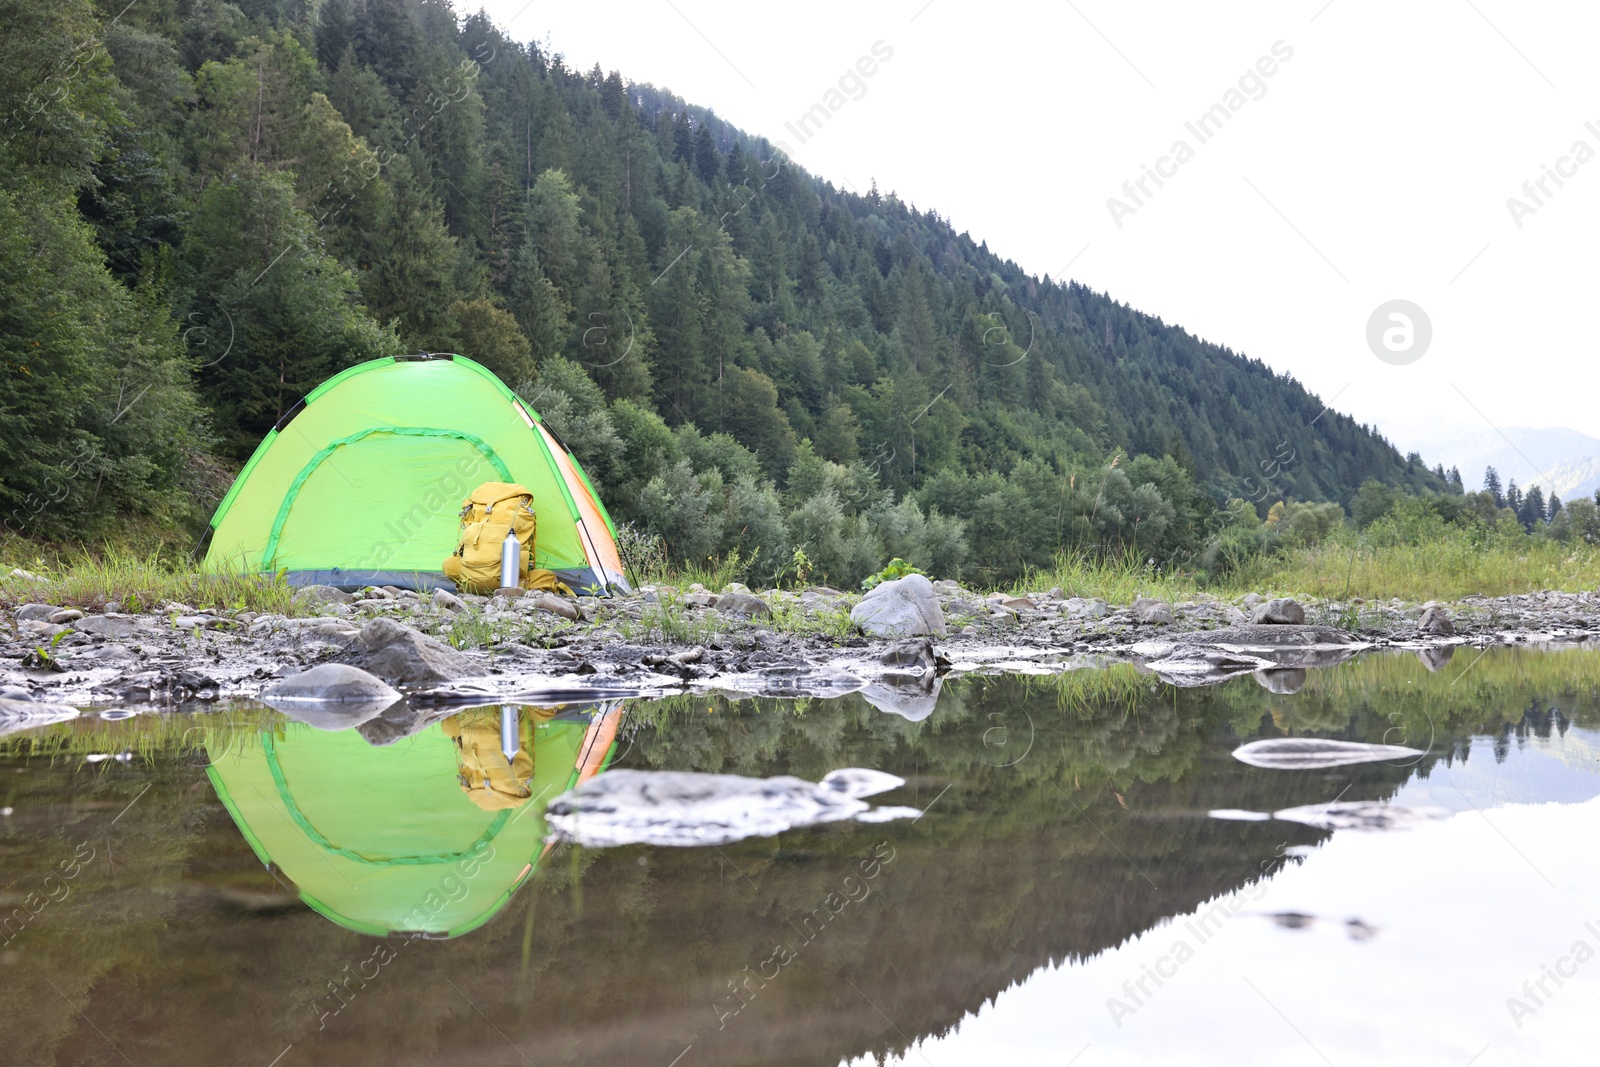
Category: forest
<point>208,208</point>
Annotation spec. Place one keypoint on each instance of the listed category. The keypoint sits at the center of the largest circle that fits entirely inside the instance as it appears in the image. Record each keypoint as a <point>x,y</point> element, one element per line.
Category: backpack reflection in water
<point>492,777</point>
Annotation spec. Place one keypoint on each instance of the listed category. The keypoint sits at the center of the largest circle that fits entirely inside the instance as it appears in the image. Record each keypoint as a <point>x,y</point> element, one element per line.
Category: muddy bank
<point>447,649</point>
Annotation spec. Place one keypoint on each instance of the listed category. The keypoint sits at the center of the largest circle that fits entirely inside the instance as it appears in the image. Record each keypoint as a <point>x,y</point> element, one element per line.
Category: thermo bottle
<point>511,562</point>
<point>510,742</point>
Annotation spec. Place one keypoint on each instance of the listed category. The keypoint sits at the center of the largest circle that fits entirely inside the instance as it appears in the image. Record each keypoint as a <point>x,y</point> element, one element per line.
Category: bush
<point>686,511</point>
<point>897,568</point>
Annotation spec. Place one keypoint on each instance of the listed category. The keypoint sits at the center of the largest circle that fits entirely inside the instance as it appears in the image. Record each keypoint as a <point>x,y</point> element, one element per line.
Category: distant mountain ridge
<point>1555,458</point>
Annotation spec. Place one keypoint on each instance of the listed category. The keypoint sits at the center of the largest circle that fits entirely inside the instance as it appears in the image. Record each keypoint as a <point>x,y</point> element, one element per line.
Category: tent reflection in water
<point>405,838</point>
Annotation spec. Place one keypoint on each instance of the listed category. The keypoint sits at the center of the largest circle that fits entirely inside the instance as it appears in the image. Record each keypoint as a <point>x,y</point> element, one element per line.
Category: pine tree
<point>707,165</point>
<point>1531,511</point>
<point>1491,485</point>
<point>281,314</point>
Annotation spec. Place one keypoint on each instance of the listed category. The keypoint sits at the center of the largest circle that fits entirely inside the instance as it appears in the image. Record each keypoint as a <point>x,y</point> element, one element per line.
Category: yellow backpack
<point>493,510</point>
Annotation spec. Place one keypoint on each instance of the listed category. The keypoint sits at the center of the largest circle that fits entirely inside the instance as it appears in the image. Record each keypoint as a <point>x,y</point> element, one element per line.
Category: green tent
<point>362,482</point>
<point>386,840</point>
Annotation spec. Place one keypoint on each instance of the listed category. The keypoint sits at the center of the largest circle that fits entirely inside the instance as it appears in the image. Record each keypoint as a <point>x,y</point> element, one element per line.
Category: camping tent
<point>383,840</point>
<point>362,482</point>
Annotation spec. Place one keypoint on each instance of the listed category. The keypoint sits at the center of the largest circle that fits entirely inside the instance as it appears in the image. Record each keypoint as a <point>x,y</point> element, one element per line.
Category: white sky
<point>1377,165</point>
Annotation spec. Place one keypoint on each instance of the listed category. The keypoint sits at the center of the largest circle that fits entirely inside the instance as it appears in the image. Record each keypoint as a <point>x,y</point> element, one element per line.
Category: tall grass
<point>141,583</point>
<point>1118,580</point>
<point>1443,568</point>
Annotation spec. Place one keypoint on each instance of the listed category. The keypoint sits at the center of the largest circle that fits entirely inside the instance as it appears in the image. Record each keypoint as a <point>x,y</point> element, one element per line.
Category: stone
<point>1094,608</point>
<point>196,622</point>
<point>447,601</point>
<point>1278,612</point>
<point>1154,612</point>
<point>904,607</point>
<point>699,598</point>
<point>37,629</point>
<point>108,625</point>
<point>1436,621</point>
<point>1055,593</point>
<point>553,604</point>
<point>345,709</point>
<point>322,594</point>
<point>402,656</point>
<point>745,605</point>
<point>1250,600</point>
<point>41,612</point>
<point>21,575</point>
<point>166,687</point>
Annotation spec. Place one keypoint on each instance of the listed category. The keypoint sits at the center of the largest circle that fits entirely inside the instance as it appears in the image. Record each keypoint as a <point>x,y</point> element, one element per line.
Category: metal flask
<point>510,743</point>
<point>510,561</point>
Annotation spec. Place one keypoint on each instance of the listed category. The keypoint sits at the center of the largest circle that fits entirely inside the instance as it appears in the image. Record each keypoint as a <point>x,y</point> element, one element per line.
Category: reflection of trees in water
<point>1537,721</point>
<point>1097,834</point>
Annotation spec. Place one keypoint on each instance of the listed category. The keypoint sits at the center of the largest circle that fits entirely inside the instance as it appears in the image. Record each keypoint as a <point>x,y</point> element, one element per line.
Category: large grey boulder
<point>331,696</point>
<point>905,607</point>
<point>402,656</point>
<point>41,612</point>
<point>1279,612</point>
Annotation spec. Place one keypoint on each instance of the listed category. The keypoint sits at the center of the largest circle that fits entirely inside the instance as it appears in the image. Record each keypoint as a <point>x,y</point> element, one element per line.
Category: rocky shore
<point>895,645</point>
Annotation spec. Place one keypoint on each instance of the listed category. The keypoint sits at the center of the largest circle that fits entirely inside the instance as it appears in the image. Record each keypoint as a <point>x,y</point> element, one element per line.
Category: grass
<point>789,616</point>
<point>1117,581</point>
<point>1443,565</point>
<point>141,583</point>
<point>670,620</point>
<point>1447,568</point>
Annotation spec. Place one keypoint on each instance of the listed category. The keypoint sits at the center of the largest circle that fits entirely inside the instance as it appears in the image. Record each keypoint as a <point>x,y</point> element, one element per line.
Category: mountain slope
<point>744,357</point>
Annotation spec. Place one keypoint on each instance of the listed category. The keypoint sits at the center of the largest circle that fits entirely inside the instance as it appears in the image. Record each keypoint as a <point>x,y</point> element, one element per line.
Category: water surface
<point>1063,894</point>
